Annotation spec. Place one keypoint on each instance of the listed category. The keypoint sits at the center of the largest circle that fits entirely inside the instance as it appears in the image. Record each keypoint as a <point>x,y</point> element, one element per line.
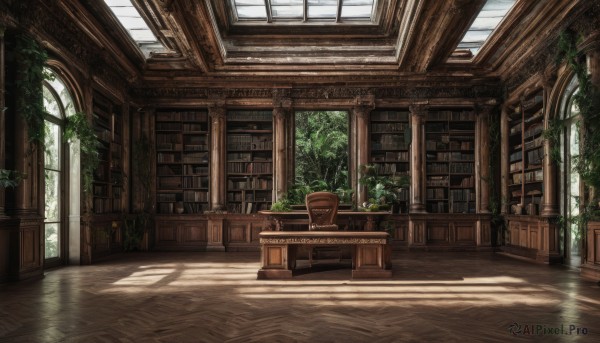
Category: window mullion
<point>268,8</point>
<point>338,15</point>
<point>305,11</point>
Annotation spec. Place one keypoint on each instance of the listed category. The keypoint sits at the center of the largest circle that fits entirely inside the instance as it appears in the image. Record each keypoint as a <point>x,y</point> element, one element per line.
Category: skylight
<point>136,26</point>
<point>486,22</point>
<point>303,10</point>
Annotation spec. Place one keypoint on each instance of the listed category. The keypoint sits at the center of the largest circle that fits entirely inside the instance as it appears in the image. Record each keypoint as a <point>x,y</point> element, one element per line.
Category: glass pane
<point>52,142</point>
<point>319,12</point>
<point>356,11</point>
<point>250,3</point>
<point>52,200</point>
<point>574,190</point>
<point>252,12</point>
<point>287,11</point>
<point>288,2</point>
<point>51,104</point>
<point>52,241</point>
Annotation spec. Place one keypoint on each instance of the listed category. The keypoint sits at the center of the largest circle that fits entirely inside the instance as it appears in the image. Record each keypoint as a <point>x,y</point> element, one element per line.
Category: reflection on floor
<point>215,297</point>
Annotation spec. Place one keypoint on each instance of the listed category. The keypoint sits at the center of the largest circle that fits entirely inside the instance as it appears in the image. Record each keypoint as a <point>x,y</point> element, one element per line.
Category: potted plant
<point>384,191</point>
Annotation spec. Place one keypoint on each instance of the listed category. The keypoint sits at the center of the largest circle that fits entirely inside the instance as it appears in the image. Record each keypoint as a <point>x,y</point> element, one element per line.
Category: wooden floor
<point>215,297</point>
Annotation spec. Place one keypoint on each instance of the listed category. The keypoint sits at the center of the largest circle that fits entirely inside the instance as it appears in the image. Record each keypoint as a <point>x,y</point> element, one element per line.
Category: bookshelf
<point>249,161</point>
<point>107,187</point>
<point>526,154</point>
<point>450,161</point>
<point>390,140</point>
<point>182,161</point>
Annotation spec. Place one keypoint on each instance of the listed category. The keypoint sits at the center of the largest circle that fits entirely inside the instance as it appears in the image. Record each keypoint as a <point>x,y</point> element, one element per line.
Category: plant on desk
<point>384,191</point>
<point>281,205</point>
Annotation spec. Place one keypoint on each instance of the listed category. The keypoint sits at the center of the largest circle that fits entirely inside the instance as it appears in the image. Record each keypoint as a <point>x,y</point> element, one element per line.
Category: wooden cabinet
<point>450,161</point>
<point>249,161</point>
<point>182,162</point>
<point>590,269</point>
<point>181,233</point>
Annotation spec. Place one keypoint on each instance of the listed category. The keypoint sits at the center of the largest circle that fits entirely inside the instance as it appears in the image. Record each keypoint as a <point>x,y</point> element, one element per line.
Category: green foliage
<point>383,190</point>
<point>321,152</point>
<point>31,58</point>
<point>552,134</point>
<point>78,127</point>
<point>587,99</point>
<point>9,178</point>
<point>281,205</point>
<point>135,228</point>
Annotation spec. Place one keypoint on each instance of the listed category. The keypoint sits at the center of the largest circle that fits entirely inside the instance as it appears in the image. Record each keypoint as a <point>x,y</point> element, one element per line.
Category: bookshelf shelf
<point>249,161</point>
<point>450,161</point>
<point>108,177</point>
<point>526,156</point>
<point>182,161</point>
<point>389,152</point>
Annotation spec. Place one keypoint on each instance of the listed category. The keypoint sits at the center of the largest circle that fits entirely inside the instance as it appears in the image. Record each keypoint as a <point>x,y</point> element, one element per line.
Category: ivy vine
<point>553,134</point>
<point>30,61</point>
<point>78,127</point>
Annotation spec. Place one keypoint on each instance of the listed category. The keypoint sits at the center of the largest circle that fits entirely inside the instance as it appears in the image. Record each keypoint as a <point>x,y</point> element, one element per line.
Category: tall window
<point>321,153</point>
<point>59,104</point>
<point>571,181</point>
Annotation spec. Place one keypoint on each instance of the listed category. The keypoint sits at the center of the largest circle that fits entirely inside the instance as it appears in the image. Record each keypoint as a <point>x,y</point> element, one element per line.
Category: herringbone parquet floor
<point>215,297</point>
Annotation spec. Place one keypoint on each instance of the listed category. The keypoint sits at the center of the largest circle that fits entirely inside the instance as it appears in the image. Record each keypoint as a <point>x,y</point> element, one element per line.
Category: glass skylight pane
<point>287,11</point>
<point>249,2</point>
<point>252,12</point>
<point>322,12</point>
<point>357,11</point>
<point>287,2</point>
<point>486,22</point>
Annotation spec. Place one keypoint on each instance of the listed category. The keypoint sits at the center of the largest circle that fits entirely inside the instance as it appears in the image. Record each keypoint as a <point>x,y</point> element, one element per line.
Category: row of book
<point>163,116</point>
<point>195,182</point>
<point>248,207</point>
<point>389,115</point>
<point>534,130</point>
<point>451,115</point>
<point>462,195</point>
<point>254,183</point>
<point>390,156</point>
<point>388,127</point>
<point>250,115</point>
<point>450,156</point>
<point>195,196</point>
<point>250,167</point>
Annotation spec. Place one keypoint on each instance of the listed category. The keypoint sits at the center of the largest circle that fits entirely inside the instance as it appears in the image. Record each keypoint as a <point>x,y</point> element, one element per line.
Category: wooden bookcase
<point>249,161</point>
<point>107,185</point>
<point>182,160</point>
<point>450,161</point>
<point>390,140</point>
<point>526,155</point>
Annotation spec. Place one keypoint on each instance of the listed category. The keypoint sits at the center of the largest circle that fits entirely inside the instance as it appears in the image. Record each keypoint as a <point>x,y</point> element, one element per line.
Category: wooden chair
<point>322,210</point>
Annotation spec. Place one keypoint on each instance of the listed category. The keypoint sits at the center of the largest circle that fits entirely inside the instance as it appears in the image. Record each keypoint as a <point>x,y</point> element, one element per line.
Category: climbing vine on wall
<point>30,60</point>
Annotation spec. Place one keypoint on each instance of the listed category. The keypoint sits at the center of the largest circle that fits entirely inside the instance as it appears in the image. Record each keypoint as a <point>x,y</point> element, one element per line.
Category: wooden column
<point>483,158</point>
<point>504,166</point>
<point>281,122</point>
<point>593,69</point>
<point>549,206</point>
<point>417,173</point>
<point>2,120</point>
<point>218,148</point>
<point>361,113</point>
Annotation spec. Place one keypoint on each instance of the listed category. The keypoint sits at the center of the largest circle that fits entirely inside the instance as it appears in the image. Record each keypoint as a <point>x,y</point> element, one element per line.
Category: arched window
<point>58,103</point>
<point>571,182</point>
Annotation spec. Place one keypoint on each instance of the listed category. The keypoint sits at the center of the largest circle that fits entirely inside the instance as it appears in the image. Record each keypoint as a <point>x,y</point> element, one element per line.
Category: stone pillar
<point>361,114</point>
<point>417,174</point>
<point>504,166</point>
<point>549,206</point>
<point>482,143</point>
<point>281,122</point>
<point>2,120</point>
<point>218,171</point>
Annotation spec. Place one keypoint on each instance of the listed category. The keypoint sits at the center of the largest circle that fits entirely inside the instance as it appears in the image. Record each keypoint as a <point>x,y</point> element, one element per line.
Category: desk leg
<point>370,261</point>
<point>276,260</point>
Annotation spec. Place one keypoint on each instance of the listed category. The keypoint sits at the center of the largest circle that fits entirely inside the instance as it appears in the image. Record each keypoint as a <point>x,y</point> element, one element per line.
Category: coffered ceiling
<point>206,39</point>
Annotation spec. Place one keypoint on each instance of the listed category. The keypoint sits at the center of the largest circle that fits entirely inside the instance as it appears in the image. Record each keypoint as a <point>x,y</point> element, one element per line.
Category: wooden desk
<point>371,253</point>
<point>279,219</point>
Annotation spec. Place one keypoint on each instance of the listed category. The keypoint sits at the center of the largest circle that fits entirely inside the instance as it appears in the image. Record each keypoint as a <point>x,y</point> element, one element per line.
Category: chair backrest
<point>322,210</point>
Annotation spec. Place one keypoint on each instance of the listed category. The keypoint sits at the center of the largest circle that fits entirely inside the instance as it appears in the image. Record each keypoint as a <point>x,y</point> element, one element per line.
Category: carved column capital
<point>419,110</point>
<point>217,112</point>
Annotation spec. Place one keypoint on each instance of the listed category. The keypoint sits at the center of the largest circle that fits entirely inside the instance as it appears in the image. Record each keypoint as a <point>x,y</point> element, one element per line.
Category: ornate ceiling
<point>407,40</point>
